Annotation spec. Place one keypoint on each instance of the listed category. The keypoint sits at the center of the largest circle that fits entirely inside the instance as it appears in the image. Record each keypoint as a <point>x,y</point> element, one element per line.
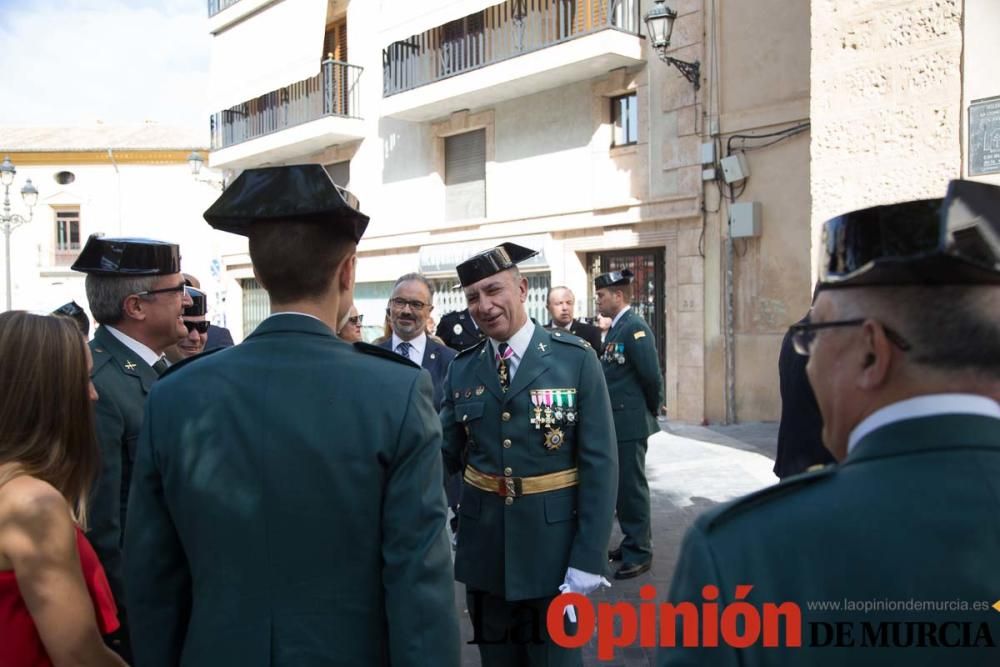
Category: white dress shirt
<point>618,317</point>
<point>417,347</point>
<point>519,343</point>
<point>140,349</point>
<point>924,406</point>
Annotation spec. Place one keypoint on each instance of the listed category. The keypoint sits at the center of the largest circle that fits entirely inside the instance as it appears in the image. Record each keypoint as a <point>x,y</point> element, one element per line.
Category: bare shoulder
<point>32,513</point>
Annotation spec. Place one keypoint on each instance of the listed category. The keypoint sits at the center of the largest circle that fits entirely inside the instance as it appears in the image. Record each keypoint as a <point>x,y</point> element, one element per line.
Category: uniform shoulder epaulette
<point>785,487</point>
<point>190,360</point>
<point>568,338</point>
<point>472,349</point>
<point>100,357</point>
<point>377,351</point>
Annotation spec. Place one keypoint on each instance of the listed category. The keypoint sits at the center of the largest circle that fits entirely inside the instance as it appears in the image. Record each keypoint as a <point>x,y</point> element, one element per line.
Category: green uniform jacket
<point>521,550</point>
<point>910,514</point>
<point>635,383</point>
<point>122,380</point>
<point>287,509</point>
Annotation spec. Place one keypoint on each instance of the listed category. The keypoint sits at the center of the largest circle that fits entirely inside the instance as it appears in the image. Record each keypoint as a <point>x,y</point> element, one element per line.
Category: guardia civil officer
<point>632,370</point>
<point>904,356</point>
<point>459,331</point>
<point>260,462</point>
<point>136,295</point>
<point>526,417</point>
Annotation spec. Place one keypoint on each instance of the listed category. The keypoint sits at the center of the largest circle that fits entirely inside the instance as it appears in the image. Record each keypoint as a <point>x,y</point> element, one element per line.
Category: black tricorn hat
<point>73,311</point>
<point>950,241</point>
<point>128,257</point>
<point>199,304</point>
<point>297,193</point>
<point>489,262</point>
<point>623,277</point>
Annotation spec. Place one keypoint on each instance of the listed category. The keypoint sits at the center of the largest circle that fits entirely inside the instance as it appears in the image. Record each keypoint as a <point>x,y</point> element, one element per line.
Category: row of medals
<point>553,408</point>
<point>614,353</point>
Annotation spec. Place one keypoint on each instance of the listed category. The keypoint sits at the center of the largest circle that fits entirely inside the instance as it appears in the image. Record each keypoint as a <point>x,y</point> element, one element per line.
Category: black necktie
<point>504,353</point>
<point>160,366</point>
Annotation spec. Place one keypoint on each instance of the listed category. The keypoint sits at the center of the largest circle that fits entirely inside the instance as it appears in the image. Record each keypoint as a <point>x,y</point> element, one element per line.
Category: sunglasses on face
<point>200,327</point>
<point>356,320</point>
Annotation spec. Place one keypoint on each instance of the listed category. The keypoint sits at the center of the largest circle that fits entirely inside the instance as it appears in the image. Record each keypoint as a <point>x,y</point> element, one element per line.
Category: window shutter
<point>465,175</point>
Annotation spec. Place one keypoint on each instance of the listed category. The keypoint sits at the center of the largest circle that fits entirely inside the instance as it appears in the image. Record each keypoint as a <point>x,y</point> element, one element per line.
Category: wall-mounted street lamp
<point>9,221</point>
<point>660,26</point>
<point>196,161</point>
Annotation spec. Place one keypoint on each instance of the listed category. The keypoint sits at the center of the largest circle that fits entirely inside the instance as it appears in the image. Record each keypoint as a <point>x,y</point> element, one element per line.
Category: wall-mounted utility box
<point>708,152</point>
<point>744,219</point>
<point>735,168</point>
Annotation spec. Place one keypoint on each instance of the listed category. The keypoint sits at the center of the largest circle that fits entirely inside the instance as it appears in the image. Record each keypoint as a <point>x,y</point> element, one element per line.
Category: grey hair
<point>107,294</point>
<point>548,297</point>
<point>951,328</point>
<point>419,277</point>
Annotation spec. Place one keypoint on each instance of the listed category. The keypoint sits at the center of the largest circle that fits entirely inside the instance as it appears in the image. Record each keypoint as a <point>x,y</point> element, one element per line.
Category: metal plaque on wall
<point>984,136</point>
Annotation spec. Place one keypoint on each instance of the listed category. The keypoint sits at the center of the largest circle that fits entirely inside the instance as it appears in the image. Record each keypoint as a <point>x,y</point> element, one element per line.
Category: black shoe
<point>629,570</point>
<point>615,554</point>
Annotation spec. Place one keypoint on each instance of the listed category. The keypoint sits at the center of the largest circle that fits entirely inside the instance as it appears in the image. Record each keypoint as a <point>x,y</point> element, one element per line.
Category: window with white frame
<point>67,231</point>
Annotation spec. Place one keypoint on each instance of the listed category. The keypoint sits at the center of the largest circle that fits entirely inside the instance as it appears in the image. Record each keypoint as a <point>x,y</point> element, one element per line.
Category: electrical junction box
<point>735,168</point>
<point>708,153</point>
<point>744,219</point>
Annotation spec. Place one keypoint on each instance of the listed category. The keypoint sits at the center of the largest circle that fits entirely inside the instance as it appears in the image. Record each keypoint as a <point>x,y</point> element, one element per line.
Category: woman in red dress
<point>55,601</point>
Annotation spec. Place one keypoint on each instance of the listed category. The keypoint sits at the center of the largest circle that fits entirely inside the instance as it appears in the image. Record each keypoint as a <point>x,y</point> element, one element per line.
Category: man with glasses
<point>136,295</point>
<point>410,305</point>
<point>904,357</point>
<point>197,329</point>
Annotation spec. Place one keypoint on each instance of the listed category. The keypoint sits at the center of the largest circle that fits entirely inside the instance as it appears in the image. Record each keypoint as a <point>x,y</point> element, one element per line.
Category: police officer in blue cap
<point>904,357</point>
<point>288,507</point>
<point>136,295</point>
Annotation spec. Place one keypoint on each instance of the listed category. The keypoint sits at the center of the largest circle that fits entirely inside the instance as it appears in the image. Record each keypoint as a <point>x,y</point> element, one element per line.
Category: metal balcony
<point>216,6</point>
<point>334,92</point>
<point>504,31</point>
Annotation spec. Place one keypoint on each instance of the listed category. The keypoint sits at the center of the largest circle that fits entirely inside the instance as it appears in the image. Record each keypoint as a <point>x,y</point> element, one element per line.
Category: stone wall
<point>886,102</point>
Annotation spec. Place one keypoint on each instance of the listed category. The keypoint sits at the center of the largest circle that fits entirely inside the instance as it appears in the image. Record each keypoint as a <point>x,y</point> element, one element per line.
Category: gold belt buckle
<point>510,487</point>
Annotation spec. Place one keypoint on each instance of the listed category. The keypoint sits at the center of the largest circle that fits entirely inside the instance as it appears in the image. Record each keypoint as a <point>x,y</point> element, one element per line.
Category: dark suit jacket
<point>800,432</point>
<point>521,551</point>
<point>909,515</point>
<point>258,465</point>
<point>588,332</point>
<point>122,380</point>
<point>635,382</point>
<point>435,361</point>
<point>218,337</point>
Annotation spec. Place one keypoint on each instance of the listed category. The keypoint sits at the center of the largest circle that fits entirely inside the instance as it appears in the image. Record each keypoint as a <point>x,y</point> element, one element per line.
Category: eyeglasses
<point>200,327</point>
<point>164,290</point>
<point>356,320</point>
<point>401,303</point>
<point>804,334</point>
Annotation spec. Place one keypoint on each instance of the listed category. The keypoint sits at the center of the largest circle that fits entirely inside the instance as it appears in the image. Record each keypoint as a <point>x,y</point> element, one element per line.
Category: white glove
<point>584,583</point>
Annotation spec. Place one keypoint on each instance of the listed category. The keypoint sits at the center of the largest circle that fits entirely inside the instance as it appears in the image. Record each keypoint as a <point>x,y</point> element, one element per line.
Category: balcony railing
<point>335,91</point>
<point>506,30</point>
<point>216,6</point>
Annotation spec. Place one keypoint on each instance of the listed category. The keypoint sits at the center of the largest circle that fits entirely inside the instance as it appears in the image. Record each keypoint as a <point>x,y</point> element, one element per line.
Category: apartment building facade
<point>555,123</point>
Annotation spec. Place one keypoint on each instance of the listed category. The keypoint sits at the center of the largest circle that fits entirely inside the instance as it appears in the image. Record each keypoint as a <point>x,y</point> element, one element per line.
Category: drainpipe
<point>730,336</point>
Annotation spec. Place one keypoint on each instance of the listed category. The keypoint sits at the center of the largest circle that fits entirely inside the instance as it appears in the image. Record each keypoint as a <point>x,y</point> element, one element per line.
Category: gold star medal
<point>553,438</point>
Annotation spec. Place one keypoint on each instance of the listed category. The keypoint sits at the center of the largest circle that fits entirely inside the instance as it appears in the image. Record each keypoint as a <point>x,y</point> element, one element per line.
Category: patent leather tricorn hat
<point>296,193</point>
<point>611,278</point>
<point>489,262</point>
<point>949,241</point>
<point>128,257</point>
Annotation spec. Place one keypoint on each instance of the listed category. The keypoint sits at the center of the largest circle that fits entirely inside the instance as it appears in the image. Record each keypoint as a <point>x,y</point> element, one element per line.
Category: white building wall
<point>163,202</point>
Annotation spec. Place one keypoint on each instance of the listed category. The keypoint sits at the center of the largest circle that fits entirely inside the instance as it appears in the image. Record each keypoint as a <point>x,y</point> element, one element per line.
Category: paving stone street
<point>690,469</point>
